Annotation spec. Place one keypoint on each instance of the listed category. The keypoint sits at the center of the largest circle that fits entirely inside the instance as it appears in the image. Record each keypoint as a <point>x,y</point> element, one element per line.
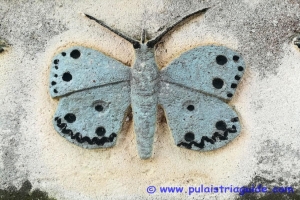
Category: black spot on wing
<point>75,54</point>
<point>221,125</point>
<point>221,60</point>
<point>235,119</point>
<point>233,85</point>
<point>99,108</point>
<point>70,117</point>
<point>217,83</point>
<point>229,95</point>
<point>190,107</point>
<point>189,136</point>
<point>100,131</point>
<point>235,58</point>
<point>67,77</point>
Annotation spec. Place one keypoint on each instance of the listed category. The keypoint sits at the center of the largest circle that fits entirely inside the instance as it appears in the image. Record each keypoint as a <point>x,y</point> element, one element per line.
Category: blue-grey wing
<point>78,68</point>
<point>93,118</point>
<point>214,70</point>
<point>94,92</point>
<point>196,120</point>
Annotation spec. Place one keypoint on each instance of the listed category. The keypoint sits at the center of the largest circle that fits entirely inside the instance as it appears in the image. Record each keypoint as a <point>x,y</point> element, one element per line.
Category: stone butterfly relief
<point>95,93</point>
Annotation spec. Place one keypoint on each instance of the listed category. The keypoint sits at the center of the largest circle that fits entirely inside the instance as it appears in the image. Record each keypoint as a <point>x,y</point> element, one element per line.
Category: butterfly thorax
<point>144,71</point>
<point>144,92</point>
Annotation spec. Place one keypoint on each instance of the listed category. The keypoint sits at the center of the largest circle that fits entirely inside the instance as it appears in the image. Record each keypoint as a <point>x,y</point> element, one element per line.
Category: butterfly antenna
<point>154,41</point>
<point>135,43</point>
<point>143,38</point>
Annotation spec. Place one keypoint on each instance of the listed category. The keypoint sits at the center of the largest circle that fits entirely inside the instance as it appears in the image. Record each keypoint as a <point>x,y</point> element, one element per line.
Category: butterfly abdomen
<point>144,83</point>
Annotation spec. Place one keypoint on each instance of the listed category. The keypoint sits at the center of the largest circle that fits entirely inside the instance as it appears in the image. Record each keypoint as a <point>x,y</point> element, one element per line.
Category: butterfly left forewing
<point>197,121</point>
<point>78,68</point>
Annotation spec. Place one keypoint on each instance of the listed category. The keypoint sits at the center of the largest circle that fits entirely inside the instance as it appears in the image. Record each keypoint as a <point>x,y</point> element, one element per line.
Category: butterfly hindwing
<point>196,120</point>
<point>93,118</point>
<point>214,70</point>
<point>79,68</point>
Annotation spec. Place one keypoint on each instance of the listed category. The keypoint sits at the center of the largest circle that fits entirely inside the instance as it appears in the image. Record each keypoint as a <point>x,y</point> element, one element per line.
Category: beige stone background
<point>267,99</point>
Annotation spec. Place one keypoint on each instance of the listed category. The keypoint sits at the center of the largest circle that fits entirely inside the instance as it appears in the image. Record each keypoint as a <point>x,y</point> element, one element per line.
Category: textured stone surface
<point>267,150</point>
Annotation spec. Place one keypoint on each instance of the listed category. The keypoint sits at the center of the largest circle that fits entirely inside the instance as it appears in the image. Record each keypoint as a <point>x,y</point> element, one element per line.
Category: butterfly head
<point>143,44</point>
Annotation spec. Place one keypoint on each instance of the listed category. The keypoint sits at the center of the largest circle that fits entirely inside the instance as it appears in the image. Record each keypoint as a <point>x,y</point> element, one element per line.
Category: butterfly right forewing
<point>213,70</point>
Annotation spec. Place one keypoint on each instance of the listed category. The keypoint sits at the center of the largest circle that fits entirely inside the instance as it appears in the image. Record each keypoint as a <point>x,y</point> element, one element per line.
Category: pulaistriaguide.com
<point>220,189</point>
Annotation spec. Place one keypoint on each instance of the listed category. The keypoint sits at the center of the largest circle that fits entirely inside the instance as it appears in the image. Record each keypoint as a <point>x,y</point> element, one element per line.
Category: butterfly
<point>96,92</point>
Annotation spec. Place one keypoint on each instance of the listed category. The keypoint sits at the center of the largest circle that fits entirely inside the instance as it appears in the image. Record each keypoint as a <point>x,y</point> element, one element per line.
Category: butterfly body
<point>96,92</point>
<point>144,98</point>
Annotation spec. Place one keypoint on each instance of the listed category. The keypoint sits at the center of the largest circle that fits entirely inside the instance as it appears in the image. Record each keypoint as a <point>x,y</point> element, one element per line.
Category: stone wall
<point>267,99</point>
